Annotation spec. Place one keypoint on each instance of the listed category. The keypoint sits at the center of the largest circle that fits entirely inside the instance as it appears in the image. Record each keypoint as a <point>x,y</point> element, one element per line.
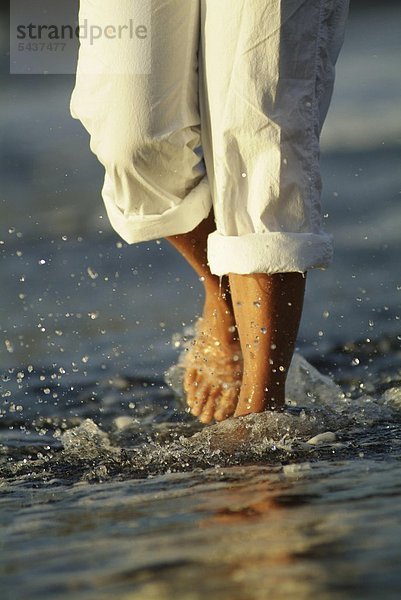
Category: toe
<point>199,398</point>
<point>191,386</point>
<point>196,406</point>
<point>190,378</point>
<point>208,411</point>
<point>215,392</point>
<point>227,404</point>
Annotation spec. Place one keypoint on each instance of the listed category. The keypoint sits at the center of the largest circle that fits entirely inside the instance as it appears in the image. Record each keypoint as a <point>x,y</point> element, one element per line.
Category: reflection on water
<point>238,532</point>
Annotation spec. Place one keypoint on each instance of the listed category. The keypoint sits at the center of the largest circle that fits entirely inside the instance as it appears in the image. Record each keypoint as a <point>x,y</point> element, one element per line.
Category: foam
<point>318,415</point>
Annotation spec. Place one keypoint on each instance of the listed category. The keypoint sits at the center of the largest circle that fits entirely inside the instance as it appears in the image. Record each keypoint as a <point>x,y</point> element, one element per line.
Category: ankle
<point>218,321</point>
<point>218,301</point>
<point>270,394</point>
<point>257,400</point>
<point>217,287</point>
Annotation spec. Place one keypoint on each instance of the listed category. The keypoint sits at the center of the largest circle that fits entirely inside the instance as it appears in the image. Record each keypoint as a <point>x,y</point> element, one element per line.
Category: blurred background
<point>75,296</point>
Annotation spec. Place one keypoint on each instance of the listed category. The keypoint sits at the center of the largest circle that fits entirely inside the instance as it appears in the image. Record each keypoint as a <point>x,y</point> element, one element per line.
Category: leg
<point>213,365</point>
<point>268,311</point>
<point>145,126</point>
<point>261,112</point>
<point>266,104</point>
<point>218,305</point>
<point>146,131</point>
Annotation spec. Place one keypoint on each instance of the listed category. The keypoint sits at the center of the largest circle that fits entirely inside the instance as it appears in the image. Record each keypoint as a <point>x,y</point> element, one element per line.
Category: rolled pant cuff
<point>273,252</point>
<point>182,218</point>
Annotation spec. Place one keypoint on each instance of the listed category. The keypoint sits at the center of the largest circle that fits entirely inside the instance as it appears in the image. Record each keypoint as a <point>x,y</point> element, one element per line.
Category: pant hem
<point>272,252</point>
<point>182,218</point>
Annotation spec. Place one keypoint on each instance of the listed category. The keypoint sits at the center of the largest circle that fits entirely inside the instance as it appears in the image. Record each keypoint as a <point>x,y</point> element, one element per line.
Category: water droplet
<point>263,329</point>
<point>9,346</point>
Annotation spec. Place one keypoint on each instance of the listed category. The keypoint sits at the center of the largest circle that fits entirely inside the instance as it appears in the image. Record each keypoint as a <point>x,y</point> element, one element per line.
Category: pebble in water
<point>322,438</point>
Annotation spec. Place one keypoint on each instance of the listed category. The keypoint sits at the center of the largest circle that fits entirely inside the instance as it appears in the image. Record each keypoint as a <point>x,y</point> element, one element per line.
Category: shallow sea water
<point>109,489</point>
<point>152,505</point>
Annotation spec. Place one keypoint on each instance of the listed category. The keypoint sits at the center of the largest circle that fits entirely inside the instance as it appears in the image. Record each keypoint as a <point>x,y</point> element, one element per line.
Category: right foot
<point>267,310</point>
<point>213,365</point>
<point>255,398</point>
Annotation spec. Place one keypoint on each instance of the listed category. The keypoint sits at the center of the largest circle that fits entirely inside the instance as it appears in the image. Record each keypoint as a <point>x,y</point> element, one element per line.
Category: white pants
<point>229,117</point>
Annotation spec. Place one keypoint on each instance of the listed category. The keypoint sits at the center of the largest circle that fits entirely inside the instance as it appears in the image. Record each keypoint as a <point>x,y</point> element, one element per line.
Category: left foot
<point>213,364</point>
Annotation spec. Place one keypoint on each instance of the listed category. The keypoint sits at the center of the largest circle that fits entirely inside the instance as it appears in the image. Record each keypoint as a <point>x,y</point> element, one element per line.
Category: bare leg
<point>214,363</point>
<point>268,310</point>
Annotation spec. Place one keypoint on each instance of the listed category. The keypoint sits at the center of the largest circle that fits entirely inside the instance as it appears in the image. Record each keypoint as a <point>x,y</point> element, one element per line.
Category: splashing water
<point>318,418</point>
<point>139,428</point>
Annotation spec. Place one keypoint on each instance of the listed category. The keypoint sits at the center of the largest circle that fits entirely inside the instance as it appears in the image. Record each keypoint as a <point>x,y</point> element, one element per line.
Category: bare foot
<point>213,364</point>
<point>219,380</point>
<point>268,310</point>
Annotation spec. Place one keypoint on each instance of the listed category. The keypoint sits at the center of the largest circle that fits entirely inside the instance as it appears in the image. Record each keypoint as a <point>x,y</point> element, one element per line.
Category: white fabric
<point>229,117</point>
